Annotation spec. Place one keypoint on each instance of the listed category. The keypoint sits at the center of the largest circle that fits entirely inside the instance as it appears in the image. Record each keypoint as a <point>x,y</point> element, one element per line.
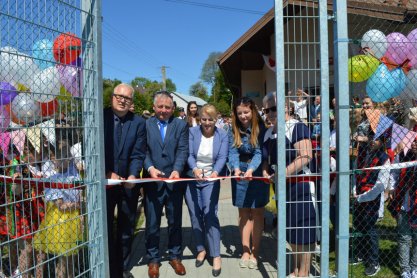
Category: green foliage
<point>199,90</point>
<point>210,68</point>
<point>171,87</point>
<point>221,96</point>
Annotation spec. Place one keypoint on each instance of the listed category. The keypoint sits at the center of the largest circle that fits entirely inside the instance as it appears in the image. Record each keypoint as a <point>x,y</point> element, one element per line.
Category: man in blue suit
<point>125,145</point>
<point>166,156</point>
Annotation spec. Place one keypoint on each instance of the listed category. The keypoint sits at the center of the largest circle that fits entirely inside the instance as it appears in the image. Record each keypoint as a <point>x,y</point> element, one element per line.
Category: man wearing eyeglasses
<point>125,150</point>
<point>167,153</point>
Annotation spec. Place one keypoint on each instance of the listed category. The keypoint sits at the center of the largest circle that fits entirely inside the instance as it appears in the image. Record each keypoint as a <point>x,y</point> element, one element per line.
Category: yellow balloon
<point>361,67</point>
<point>22,88</point>
<point>64,95</point>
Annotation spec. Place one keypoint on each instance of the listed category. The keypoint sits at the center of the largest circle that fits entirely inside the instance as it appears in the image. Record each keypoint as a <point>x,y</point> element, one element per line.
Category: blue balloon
<point>42,53</point>
<point>385,84</point>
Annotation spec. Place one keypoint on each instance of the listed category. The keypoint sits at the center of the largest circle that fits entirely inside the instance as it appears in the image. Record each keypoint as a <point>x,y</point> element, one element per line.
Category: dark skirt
<point>250,194</point>
<point>301,214</point>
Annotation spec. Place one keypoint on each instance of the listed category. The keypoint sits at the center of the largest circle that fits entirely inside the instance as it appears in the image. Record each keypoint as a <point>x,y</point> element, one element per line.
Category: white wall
<point>253,85</point>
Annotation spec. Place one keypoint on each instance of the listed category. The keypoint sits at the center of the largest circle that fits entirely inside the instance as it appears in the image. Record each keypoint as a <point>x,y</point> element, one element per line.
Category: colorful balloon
<point>67,48</point>
<point>42,54</point>
<point>383,84</point>
<point>16,67</point>
<point>376,42</point>
<point>25,108</point>
<point>48,108</point>
<point>412,51</point>
<point>398,48</point>
<point>70,78</point>
<point>7,93</point>
<point>46,86</point>
<point>361,67</point>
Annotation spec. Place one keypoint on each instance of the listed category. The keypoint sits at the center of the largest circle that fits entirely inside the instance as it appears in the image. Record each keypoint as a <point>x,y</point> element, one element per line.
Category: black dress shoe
<point>199,263</point>
<point>216,272</point>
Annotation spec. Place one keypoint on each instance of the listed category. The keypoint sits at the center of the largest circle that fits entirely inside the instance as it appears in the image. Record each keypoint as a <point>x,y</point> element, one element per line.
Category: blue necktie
<point>162,124</point>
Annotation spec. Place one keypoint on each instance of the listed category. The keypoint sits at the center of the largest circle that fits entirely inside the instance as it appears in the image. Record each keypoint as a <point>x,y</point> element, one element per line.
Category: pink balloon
<point>70,78</point>
<point>398,48</point>
<point>412,52</point>
<point>4,116</point>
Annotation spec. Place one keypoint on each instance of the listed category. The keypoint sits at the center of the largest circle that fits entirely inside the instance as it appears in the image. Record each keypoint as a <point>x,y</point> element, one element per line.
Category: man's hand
<point>113,176</point>
<point>155,173</point>
<point>174,175</point>
<point>128,185</point>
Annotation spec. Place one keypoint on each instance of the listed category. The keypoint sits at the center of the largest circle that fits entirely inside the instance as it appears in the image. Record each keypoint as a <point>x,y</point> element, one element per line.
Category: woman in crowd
<point>301,215</point>
<point>300,105</point>
<point>250,196</point>
<point>208,147</point>
<point>193,119</point>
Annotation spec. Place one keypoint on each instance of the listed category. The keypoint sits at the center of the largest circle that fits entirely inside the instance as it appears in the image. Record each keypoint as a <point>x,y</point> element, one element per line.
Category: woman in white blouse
<point>208,147</point>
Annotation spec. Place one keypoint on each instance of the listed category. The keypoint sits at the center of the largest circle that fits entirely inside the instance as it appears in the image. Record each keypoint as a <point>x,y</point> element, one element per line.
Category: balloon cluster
<point>30,84</point>
<point>389,65</point>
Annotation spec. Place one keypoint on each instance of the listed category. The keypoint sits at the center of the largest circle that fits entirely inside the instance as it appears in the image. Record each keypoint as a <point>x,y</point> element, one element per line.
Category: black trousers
<point>120,237</point>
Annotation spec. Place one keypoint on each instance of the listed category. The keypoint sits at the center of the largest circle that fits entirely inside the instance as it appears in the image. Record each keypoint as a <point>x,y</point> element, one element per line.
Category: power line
<point>217,7</point>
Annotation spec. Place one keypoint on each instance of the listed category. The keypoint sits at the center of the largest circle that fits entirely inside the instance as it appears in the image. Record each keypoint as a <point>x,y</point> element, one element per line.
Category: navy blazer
<point>170,155</point>
<point>220,148</point>
<point>128,160</point>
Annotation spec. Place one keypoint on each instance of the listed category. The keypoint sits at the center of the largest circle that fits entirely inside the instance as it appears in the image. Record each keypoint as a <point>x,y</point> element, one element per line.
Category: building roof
<point>188,98</point>
<point>246,52</point>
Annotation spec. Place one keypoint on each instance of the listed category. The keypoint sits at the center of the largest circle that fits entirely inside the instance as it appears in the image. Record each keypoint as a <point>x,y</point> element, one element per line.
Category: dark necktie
<point>118,131</point>
<point>162,125</point>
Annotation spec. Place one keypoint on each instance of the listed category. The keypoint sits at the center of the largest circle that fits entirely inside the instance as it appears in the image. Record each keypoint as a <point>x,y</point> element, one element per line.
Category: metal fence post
<point>325,135</point>
<point>94,144</point>
<point>342,133</point>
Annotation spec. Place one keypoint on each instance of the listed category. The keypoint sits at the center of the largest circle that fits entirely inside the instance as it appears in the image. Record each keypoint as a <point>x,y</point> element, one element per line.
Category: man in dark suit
<point>125,145</point>
<point>166,156</point>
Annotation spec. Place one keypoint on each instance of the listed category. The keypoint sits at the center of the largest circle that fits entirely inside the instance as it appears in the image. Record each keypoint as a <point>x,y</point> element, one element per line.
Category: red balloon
<point>48,108</point>
<point>67,48</point>
<point>13,116</point>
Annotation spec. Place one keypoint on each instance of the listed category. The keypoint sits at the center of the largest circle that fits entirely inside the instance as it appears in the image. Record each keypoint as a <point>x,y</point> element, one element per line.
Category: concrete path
<point>230,247</point>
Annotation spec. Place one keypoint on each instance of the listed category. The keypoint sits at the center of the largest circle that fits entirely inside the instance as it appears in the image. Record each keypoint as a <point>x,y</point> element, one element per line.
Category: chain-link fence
<point>50,193</point>
<point>383,86</point>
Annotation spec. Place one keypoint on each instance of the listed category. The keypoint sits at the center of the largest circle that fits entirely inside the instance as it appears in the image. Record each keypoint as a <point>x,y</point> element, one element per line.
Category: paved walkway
<point>230,247</point>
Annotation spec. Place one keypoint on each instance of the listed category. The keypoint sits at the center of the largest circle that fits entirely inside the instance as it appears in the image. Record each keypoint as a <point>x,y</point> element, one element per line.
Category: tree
<point>199,90</point>
<point>170,85</point>
<point>221,96</point>
<point>210,67</point>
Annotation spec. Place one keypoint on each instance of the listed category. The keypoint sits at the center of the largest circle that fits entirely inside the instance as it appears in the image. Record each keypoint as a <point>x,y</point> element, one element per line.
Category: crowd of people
<point>202,144</point>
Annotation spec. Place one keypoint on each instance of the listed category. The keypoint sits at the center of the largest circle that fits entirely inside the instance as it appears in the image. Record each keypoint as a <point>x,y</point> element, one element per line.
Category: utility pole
<point>164,77</point>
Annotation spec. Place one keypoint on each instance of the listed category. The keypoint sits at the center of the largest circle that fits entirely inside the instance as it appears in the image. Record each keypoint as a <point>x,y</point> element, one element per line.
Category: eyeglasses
<point>207,120</point>
<point>273,109</point>
<point>121,97</point>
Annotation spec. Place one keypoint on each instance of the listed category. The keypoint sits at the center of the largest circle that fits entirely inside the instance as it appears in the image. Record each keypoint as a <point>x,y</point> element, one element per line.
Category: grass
<point>387,250</point>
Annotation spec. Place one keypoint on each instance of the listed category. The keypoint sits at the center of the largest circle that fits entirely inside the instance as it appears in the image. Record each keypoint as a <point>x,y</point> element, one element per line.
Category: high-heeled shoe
<point>216,272</point>
<point>198,262</point>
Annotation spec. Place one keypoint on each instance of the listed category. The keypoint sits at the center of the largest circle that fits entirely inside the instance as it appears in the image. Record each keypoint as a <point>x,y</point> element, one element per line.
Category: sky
<point>141,36</point>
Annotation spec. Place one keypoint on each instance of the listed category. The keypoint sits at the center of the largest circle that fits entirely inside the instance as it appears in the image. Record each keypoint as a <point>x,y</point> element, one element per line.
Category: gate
<point>360,58</point>
<point>51,193</point>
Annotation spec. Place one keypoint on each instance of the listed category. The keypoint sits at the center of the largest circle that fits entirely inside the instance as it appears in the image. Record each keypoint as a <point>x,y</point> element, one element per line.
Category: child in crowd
<point>403,207</point>
<point>61,230</point>
<point>371,183</point>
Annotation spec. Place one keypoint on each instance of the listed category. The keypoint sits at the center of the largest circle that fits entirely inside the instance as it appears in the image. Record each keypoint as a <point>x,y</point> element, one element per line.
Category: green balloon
<point>361,67</point>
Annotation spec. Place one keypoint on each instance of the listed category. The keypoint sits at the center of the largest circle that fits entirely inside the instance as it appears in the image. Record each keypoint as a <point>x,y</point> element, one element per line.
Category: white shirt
<point>300,108</point>
<point>205,155</point>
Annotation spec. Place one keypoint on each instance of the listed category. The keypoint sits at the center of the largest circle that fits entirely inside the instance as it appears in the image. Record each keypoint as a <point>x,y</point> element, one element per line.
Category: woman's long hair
<point>189,118</point>
<point>237,126</point>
